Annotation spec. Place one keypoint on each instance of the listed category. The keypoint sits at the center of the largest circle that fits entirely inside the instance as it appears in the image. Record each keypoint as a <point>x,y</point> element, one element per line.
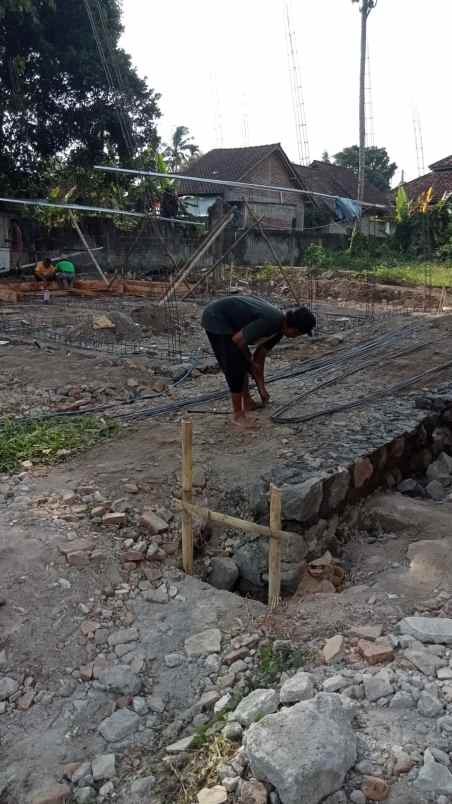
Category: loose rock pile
<point>437,483</point>
<point>349,732</point>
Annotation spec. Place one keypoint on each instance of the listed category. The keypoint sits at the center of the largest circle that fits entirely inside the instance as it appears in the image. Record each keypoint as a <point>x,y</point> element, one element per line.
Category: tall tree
<point>365,8</point>
<point>379,170</point>
<point>69,94</point>
<point>182,150</point>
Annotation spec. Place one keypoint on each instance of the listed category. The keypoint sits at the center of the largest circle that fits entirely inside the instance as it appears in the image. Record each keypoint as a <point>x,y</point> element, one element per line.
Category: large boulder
<point>301,501</point>
<point>224,573</point>
<point>436,630</point>
<point>252,560</point>
<point>441,469</point>
<point>304,751</point>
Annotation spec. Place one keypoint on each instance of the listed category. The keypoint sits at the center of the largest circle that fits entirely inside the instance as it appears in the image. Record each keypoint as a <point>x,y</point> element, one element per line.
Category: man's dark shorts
<point>231,360</point>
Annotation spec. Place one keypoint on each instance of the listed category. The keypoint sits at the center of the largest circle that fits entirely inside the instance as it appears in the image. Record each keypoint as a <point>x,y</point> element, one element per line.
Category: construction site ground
<point>71,613</point>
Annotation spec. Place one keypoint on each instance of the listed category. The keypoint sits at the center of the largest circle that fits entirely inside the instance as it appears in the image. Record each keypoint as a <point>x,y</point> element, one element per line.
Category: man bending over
<point>235,323</point>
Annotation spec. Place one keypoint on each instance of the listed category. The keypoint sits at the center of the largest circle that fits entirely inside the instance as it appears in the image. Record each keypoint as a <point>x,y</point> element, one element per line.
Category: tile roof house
<point>236,164</point>
<point>269,164</point>
<point>260,165</point>
<point>325,177</point>
<point>440,180</point>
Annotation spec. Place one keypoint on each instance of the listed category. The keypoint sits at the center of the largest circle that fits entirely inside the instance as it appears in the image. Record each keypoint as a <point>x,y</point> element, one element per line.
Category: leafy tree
<point>326,157</point>
<point>379,169</point>
<point>62,105</point>
<point>182,150</point>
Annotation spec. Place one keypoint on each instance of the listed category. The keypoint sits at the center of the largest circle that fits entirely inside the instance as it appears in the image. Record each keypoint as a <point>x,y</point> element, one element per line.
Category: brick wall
<point>271,171</point>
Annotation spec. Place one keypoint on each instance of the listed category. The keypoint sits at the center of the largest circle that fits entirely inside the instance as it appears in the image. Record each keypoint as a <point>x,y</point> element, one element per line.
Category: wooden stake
<point>187,475</point>
<point>226,521</point>
<point>274,556</point>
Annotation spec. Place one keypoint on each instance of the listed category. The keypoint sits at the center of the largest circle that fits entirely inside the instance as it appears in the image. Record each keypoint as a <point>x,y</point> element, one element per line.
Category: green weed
<point>414,274</point>
<point>273,663</point>
<point>46,440</point>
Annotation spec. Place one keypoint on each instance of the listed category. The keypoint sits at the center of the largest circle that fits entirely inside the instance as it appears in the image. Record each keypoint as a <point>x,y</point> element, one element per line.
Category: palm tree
<point>182,149</point>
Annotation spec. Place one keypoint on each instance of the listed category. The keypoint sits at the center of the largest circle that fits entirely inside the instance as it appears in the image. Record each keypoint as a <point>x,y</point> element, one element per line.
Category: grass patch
<point>273,663</point>
<point>414,274</point>
<point>48,440</point>
<point>387,270</point>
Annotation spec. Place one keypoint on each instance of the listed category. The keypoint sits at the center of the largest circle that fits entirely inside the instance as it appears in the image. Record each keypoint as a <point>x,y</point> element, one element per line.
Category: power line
<point>28,202</point>
<point>113,75</point>
<point>225,183</point>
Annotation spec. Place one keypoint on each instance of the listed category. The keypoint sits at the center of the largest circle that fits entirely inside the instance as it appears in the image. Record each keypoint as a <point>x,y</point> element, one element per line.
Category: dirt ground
<point>47,641</point>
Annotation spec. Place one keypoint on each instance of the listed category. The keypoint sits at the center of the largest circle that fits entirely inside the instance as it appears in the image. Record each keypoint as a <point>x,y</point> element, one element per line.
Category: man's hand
<point>258,374</point>
<point>263,393</point>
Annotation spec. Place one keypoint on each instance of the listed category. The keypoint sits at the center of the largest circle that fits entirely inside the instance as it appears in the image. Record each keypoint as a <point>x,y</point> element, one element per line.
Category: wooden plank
<point>274,555</point>
<point>9,295</point>
<point>227,521</point>
<point>187,481</point>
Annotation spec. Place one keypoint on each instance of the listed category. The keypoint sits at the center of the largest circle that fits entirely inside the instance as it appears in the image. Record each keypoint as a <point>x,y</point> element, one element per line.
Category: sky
<point>222,70</point>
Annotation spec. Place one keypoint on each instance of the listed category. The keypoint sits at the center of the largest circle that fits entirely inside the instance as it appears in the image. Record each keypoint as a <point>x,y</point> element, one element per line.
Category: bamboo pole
<point>273,253</point>
<point>222,258</point>
<point>187,476</point>
<point>88,248</point>
<point>226,521</point>
<point>274,556</point>
<point>205,245</point>
<point>442,300</point>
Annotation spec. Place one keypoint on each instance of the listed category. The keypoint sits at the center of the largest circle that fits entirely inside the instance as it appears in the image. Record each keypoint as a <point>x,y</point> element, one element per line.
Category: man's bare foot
<point>243,422</point>
<point>250,404</point>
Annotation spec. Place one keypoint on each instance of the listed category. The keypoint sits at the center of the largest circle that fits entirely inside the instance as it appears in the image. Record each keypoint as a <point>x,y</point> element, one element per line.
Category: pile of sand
<point>107,327</point>
<point>152,318</point>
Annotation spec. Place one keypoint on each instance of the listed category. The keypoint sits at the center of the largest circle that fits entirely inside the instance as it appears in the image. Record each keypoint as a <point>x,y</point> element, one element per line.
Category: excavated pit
<point>325,511</point>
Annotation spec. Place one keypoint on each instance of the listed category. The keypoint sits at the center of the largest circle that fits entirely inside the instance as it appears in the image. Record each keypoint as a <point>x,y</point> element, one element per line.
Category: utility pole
<point>365,8</point>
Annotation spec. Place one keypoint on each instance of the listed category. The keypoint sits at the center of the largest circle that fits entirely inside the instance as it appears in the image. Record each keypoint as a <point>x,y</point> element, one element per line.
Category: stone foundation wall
<point>314,507</point>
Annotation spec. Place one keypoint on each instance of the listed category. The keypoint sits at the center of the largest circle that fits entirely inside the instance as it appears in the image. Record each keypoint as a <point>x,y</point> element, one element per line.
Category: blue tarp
<point>347,210</point>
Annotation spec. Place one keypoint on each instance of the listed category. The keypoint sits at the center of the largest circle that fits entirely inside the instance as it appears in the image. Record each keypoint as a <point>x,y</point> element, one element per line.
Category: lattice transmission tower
<point>245,121</point>
<point>217,112</point>
<point>418,142</point>
<point>298,104</point>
